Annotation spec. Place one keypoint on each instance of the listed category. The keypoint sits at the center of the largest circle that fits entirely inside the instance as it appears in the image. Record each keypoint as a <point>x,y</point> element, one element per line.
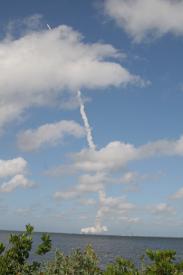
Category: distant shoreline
<point>94,235</point>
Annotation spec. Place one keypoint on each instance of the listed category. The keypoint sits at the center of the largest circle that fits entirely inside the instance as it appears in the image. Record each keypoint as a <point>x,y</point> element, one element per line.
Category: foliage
<point>14,260</point>
<point>163,263</point>
<point>78,263</point>
<point>121,266</point>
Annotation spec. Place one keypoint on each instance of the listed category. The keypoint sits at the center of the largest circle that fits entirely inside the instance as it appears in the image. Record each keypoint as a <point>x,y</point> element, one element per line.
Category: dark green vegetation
<point>14,260</point>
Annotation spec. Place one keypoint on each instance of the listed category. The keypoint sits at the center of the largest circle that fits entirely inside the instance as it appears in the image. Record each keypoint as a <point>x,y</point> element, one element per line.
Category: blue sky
<point>128,67</point>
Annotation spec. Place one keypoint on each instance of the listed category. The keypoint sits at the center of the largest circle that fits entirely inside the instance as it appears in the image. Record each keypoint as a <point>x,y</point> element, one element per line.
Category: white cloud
<point>65,195</point>
<point>92,183</point>
<point>163,209</point>
<point>129,177</point>
<point>113,205</point>
<point>15,182</point>
<point>41,65</point>
<point>101,163</point>
<point>87,184</point>
<point>118,154</point>
<point>141,18</point>
<point>178,194</point>
<point>12,167</point>
<point>115,155</point>
<point>48,134</point>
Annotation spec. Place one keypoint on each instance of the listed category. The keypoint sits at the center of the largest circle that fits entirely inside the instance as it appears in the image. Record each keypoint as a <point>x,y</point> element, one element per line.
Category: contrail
<point>89,136</point>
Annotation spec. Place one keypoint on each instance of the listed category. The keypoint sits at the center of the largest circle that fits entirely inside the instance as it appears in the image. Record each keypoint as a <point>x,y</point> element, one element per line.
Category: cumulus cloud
<point>116,154</point>
<point>48,134</point>
<point>88,183</point>
<point>141,18</point>
<point>14,171</point>
<point>116,205</point>
<point>178,194</point>
<point>129,177</point>
<point>40,65</point>
<point>163,209</point>
<point>12,167</point>
<point>99,164</point>
<point>16,181</point>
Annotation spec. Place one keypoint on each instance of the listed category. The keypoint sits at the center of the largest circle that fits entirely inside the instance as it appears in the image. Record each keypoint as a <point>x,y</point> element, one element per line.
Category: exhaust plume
<point>88,130</point>
<point>48,26</point>
<point>98,227</point>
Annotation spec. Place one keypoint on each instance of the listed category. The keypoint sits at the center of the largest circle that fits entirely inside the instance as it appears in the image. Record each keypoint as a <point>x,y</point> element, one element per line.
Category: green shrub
<point>77,263</point>
<point>121,267</point>
<point>163,263</point>
<point>14,260</point>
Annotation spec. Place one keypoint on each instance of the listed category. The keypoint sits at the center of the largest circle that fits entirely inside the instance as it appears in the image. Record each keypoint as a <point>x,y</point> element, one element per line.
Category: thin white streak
<point>88,130</point>
<point>48,26</point>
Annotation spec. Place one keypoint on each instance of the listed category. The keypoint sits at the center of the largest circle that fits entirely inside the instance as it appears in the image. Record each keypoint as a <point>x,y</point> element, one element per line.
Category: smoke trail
<point>89,137</point>
<point>48,26</point>
<point>98,227</point>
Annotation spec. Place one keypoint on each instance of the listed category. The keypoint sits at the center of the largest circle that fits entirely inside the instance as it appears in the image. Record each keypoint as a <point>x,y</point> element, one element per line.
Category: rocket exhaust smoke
<point>98,227</point>
<point>48,26</point>
<point>88,130</point>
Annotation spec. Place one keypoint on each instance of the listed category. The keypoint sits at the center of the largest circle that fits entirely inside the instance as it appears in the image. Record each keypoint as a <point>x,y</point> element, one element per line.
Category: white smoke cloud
<point>115,207</point>
<point>94,183</point>
<point>97,229</point>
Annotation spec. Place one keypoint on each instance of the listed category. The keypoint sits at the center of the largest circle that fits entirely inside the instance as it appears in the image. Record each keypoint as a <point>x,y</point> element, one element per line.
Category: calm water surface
<point>107,247</point>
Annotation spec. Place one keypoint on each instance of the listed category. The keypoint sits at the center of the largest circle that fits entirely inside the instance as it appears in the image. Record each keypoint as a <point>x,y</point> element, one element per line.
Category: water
<point>107,247</point>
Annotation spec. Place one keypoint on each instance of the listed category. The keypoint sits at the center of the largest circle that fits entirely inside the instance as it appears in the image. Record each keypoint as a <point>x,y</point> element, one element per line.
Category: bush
<point>14,260</point>
<point>78,263</point>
